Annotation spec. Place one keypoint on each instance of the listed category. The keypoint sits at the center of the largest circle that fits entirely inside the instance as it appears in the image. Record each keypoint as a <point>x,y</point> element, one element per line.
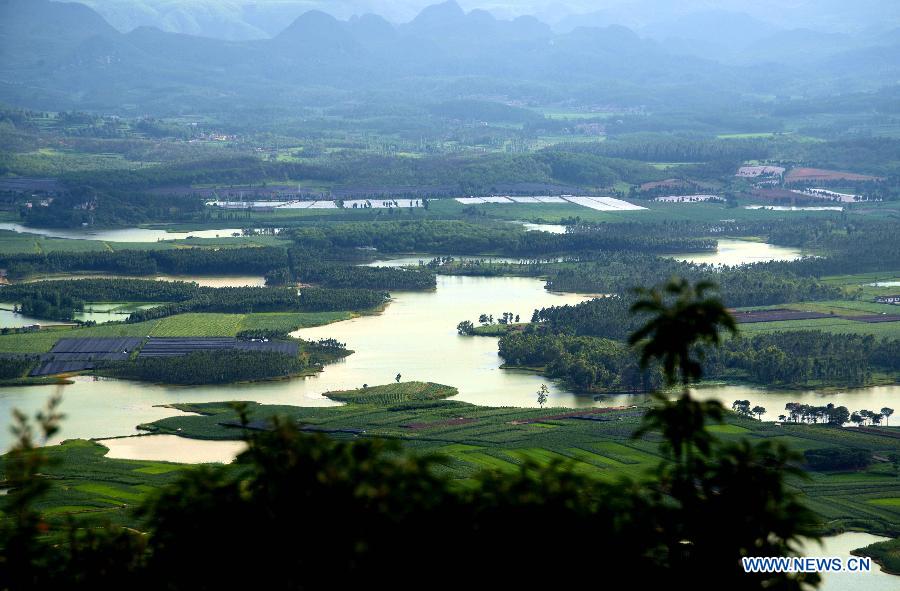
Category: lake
<point>740,252</point>
<point>171,448</point>
<point>730,252</point>
<point>773,400</point>
<point>416,337</point>
<point>840,546</point>
<point>202,280</point>
<point>120,235</point>
<point>552,228</point>
<point>421,259</point>
<point>11,319</point>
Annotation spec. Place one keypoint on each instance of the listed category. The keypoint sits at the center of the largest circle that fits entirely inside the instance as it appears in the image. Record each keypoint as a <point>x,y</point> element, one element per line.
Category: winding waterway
<point>416,337</point>
<point>119,235</point>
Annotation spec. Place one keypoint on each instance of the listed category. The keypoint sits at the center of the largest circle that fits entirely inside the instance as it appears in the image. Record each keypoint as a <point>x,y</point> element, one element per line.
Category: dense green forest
<point>179,297</point>
<point>788,359</point>
<point>806,358</point>
<point>207,367</point>
<point>84,205</point>
<point>268,299</point>
<point>106,290</point>
<point>308,267</point>
<point>180,261</point>
<point>583,345</point>
<point>749,285</point>
<point>856,246</point>
<point>438,174</point>
<point>587,364</point>
<point>52,304</point>
<point>458,237</point>
<point>13,367</point>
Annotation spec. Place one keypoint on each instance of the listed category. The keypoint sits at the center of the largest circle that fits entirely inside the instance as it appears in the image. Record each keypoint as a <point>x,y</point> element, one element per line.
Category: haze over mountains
<point>66,55</point>
<point>249,19</point>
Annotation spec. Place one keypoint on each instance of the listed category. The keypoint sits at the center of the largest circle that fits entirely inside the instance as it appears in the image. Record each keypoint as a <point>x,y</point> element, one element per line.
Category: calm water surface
<point>121,235</point>
<point>416,337</point>
<point>421,259</point>
<point>202,280</point>
<point>740,252</point>
<point>840,546</point>
<point>552,228</point>
<point>11,319</point>
<point>171,448</point>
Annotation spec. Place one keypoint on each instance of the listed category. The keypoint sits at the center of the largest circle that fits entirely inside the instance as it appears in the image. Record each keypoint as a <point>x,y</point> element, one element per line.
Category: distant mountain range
<point>258,19</point>
<point>65,55</point>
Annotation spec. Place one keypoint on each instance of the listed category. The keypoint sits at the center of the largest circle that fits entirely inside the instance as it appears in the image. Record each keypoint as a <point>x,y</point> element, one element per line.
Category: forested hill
<point>88,64</point>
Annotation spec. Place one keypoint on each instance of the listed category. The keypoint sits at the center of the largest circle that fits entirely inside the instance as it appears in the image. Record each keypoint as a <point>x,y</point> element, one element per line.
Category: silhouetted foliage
<point>300,510</point>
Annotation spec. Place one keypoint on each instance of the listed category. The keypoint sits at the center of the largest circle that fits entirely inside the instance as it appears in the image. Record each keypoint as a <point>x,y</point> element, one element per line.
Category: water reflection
<point>416,337</point>
<point>97,407</point>
<point>421,259</point>
<point>552,228</point>
<point>171,448</point>
<point>98,314</point>
<point>840,546</point>
<point>740,252</point>
<point>121,235</point>
<point>202,280</point>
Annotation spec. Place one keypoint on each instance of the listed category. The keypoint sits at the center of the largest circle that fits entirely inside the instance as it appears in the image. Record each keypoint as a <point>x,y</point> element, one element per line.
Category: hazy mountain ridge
<point>253,19</point>
<point>87,61</point>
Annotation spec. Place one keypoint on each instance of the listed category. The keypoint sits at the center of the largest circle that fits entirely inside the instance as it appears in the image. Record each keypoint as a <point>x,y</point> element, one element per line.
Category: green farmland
<point>194,324</point>
<point>471,438</point>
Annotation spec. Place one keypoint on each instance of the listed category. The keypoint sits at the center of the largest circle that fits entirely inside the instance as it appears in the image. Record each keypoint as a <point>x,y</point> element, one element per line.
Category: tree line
<point>802,357</point>
<point>16,366</point>
<point>178,297</point>
<point>572,343</point>
<point>759,284</point>
<point>370,501</point>
<point>51,305</point>
<point>176,261</point>
<point>308,267</point>
<point>208,367</point>
<point>242,300</point>
<point>467,238</point>
<point>586,364</point>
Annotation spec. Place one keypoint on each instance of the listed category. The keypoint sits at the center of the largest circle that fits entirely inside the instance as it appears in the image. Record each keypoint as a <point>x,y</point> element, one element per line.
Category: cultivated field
<point>473,438</point>
<point>799,175</point>
<point>181,325</point>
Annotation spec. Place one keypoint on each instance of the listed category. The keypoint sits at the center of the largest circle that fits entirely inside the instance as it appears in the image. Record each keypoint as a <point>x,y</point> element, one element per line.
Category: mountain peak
<point>312,22</point>
<point>439,15</point>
